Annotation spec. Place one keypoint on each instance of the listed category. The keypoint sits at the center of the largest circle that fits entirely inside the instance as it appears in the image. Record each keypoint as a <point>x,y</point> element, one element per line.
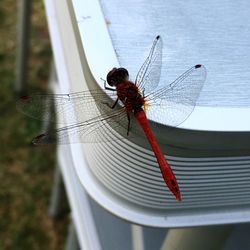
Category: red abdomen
<point>165,168</point>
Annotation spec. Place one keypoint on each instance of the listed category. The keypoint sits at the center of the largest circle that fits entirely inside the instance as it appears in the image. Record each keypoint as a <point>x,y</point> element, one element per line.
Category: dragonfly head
<point>116,76</point>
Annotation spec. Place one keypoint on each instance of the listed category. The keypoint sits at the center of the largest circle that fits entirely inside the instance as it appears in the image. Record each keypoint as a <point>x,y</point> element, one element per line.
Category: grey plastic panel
<point>113,232</point>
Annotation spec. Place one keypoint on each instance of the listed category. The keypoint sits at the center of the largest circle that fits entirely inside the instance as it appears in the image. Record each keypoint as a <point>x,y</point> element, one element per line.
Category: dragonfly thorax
<point>116,76</point>
<point>130,96</point>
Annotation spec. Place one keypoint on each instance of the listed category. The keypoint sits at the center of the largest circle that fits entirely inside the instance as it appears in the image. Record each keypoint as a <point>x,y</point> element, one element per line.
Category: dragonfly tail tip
<point>178,197</point>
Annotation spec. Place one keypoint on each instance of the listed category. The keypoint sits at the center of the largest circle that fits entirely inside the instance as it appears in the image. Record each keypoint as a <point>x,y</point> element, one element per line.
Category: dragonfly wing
<point>149,74</point>
<point>79,106</point>
<point>175,102</point>
<point>94,130</point>
<point>103,128</point>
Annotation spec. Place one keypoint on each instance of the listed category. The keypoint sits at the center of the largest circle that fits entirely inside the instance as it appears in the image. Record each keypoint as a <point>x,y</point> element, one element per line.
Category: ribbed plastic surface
<point>132,173</point>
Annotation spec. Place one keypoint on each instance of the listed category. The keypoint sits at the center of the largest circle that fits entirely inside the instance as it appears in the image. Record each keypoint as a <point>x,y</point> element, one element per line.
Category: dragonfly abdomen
<point>165,168</point>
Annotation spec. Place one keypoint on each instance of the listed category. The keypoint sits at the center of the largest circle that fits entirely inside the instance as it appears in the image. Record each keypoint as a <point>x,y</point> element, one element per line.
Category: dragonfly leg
<point>113,106</point>
<point>128,123</point>
<point>116,101</point>
<point>107,87</point>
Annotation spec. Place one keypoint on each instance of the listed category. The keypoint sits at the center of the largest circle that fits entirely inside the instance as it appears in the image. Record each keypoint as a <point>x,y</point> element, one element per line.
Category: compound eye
<point>112,82</point>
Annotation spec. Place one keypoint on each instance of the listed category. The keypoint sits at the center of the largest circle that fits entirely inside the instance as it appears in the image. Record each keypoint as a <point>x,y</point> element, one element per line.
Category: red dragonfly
<point>91,114</point>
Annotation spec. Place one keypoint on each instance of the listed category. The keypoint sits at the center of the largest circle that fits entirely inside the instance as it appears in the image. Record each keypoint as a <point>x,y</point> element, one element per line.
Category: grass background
<point>26,172</point>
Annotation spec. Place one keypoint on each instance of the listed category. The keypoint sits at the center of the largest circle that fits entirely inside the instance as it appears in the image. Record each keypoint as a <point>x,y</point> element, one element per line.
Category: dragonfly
<point>93,115</point>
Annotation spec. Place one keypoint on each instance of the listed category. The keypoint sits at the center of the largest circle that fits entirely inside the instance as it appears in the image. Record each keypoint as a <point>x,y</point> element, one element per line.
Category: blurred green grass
<point>26,174</point>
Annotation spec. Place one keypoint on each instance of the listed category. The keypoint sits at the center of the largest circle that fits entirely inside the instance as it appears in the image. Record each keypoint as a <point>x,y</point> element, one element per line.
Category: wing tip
<point>43,139</point>
<point>25,98</point>
<point>198,66</point>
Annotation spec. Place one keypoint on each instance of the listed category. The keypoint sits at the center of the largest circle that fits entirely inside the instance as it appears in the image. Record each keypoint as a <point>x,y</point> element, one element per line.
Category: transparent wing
<point>103,128</point>
<point>173,104</point>
<point>149,74</point>
<point>88,116</point>
<point>82,105</point>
